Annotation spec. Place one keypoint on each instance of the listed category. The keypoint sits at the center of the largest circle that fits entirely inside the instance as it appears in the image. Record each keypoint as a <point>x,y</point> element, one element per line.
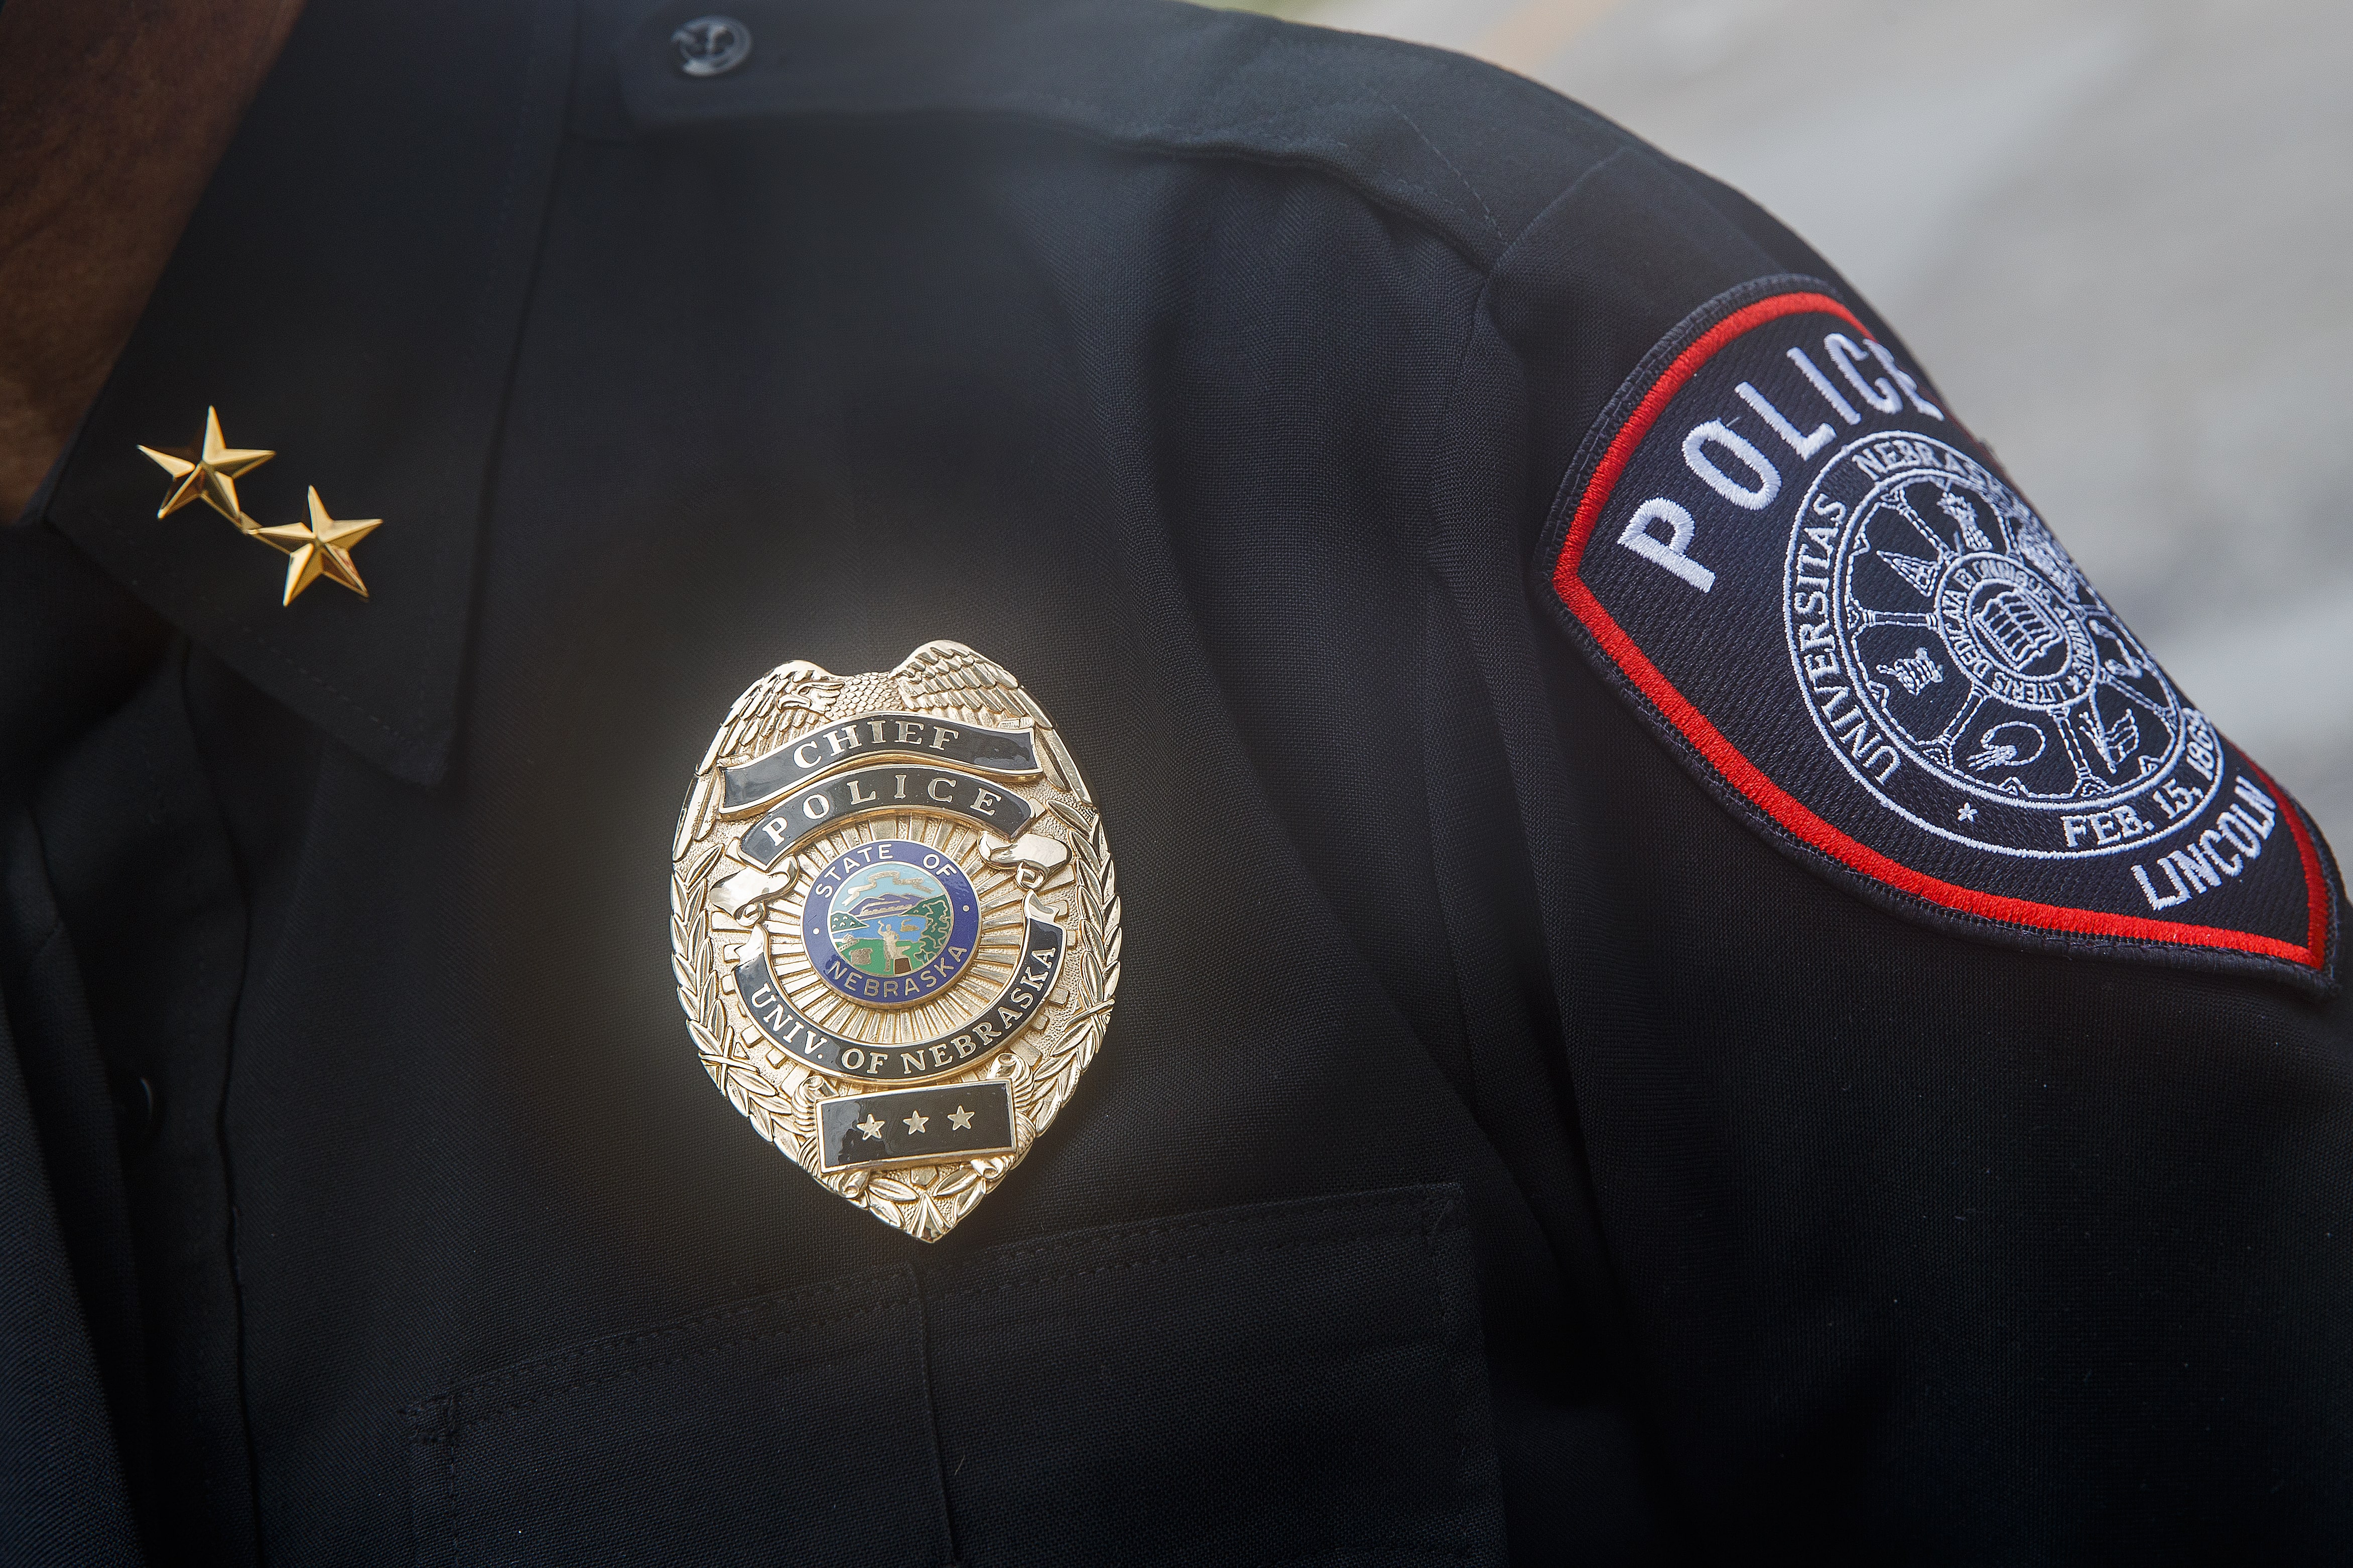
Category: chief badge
<point>895,927</point>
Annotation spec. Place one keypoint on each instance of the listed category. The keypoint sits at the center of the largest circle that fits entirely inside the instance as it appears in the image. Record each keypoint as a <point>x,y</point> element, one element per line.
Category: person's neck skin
<point>113,115</point>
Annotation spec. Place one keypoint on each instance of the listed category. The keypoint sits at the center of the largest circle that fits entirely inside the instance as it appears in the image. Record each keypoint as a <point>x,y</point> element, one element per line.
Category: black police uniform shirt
<point>1554,1112</point>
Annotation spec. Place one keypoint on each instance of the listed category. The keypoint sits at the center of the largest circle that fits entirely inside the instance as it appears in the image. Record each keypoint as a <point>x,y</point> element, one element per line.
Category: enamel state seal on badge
<point>895,926</point>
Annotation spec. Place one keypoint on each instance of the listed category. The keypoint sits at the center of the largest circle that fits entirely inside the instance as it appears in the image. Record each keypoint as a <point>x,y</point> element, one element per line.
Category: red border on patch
<point>1776,803</point>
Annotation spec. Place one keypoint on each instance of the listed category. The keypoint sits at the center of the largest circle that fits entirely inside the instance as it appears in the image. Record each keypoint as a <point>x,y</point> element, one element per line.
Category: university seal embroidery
<point>895,927</point>
<point>1821,590</point>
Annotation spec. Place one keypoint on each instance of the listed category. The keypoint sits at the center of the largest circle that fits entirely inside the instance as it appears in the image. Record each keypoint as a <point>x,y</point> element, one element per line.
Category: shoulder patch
<point>1824,592</point>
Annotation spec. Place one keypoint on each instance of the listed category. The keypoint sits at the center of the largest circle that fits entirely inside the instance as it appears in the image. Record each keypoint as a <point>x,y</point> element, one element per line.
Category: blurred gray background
<point>2119,232</point>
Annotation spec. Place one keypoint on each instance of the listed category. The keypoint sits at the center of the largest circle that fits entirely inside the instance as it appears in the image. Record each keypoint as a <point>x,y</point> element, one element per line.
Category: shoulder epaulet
<point>1467,149</point>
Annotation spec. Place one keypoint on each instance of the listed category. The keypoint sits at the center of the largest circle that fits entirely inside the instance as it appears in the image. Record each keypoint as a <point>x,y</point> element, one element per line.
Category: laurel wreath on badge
<point>894,924</point>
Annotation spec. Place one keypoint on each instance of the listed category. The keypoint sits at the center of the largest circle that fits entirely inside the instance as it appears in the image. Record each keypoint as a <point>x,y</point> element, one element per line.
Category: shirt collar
<point>348,293</point>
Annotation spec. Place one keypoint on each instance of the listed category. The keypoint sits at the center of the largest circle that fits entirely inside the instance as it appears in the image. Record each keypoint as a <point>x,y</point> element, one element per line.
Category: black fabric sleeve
<point>1929,1249</point>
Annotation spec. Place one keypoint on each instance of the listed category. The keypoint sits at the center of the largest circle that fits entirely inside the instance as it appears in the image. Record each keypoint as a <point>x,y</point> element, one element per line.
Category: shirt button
<point>138,1109</point>
<point>712,46</point>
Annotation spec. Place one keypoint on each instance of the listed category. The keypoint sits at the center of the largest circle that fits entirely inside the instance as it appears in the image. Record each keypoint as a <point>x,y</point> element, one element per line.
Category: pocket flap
<point>1260,1384</point>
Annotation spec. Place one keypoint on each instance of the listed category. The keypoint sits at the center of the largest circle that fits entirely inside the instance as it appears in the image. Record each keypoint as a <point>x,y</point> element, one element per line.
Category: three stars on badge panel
<point>959,1118</point>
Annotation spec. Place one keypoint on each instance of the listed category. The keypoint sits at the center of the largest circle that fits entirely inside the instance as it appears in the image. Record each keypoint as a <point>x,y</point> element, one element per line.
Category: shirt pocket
<point>790,1428</point>
<point>1265,1384</point>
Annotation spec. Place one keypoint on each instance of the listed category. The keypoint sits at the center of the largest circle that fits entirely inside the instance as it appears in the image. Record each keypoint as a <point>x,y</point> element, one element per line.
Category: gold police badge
<point>895,926</point>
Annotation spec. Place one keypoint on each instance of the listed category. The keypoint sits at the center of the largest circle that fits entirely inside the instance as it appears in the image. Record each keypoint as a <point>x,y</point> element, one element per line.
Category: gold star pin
<point>320,548</point>
<point>208,472</point>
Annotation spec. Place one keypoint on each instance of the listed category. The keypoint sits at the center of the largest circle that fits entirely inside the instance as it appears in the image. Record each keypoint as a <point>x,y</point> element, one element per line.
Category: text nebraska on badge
<point>914,886</point>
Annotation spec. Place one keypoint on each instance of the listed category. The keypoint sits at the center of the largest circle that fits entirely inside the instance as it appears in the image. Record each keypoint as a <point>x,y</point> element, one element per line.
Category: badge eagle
<point>895,926</point>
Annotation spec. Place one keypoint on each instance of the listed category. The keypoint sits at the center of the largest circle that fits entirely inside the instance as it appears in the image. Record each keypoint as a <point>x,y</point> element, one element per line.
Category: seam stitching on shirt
<point>1178,1258</point>
<point>313,677</point>
<point>1129,1233</point>
<point>1486,212</point>
<point>620,1373</point>
<point>485,1385</point>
